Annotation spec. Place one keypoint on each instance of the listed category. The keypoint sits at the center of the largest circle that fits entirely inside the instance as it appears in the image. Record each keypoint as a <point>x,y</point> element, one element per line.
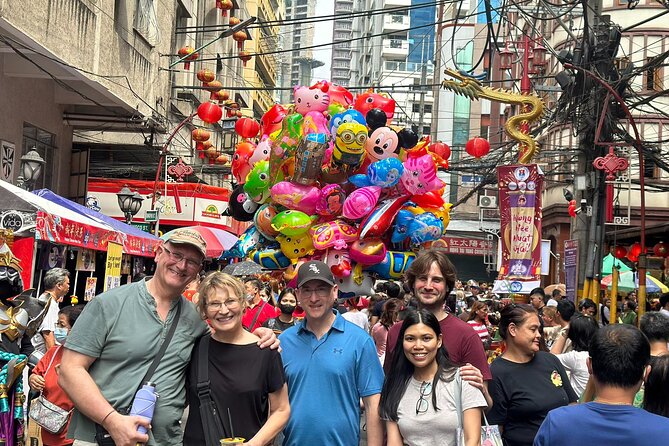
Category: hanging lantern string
<point>227,33</point>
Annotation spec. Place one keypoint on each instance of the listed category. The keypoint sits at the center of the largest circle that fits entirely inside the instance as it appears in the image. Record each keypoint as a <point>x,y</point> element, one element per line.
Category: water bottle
<point>144,404</point>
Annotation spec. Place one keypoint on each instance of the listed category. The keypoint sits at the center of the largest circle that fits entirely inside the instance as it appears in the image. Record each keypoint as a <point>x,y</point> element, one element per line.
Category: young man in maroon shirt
<point>432,277</point>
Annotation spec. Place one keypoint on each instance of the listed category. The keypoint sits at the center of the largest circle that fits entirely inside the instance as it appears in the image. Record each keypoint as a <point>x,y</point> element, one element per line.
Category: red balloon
<point>477,147</point>
<point>247,127</point>
<point>431,199</point>
<point>661,250</point>
<point>620,252</point>
<point>209,112</point>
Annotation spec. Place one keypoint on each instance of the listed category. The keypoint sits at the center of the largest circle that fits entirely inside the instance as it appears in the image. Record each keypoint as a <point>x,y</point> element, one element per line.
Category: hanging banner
<point>85,260</point>
<point>571,269</point>
<point>520,215</point>
<point>113,268</point>
<point>52,256</point>
<point>56,229</point>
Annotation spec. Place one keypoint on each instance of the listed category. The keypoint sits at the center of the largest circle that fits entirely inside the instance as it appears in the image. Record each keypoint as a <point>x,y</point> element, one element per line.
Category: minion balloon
<point>349,146</point>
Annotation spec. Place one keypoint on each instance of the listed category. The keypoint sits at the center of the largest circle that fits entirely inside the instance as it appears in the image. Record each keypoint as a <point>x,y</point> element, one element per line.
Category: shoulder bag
<point>102,437</point>
<point>48,415</point>
<point>212,426</point>
<point>490,435</point>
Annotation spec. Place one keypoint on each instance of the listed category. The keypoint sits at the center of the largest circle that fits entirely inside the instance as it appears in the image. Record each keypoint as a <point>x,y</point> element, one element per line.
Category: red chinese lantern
<point>190,52</point>
<point>477,147</point>
<point>200,135</point>
<point>442,151</point>
<point>224,6</point>
<point>247,128</point>
<point>202,148</point>
<point>234,21</point>
<point>212,154</point>
<point>634,251</point>
<point>239,37</point>
<point>223,159</point>
<point>661,250</point>
<point>238,113</point>
<point>209,112</point>
<point>206,75</point>
<point>221,96</point>
<point>619,252</point>
<point>572,209</point>
<point>245,56</point>
<point>213,87</point>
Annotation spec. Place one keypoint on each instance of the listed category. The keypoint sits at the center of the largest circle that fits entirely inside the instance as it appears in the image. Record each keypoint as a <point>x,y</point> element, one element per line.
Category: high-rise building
<point>297,66</point>
<point>395,53</point>
<point>342,32</point>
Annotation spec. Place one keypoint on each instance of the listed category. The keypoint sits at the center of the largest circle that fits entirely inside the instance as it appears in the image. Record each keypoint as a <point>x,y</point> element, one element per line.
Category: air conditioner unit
<point>487,202</point>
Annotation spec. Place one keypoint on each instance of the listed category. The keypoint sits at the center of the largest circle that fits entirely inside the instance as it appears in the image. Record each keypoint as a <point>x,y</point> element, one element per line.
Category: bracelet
<point>107,416</point>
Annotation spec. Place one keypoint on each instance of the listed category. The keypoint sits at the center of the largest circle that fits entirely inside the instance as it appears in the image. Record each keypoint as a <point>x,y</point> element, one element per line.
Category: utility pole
<point>423,81</point>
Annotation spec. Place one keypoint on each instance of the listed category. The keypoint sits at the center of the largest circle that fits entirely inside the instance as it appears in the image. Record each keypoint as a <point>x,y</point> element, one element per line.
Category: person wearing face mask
<point>257,310</point>
<point>285,320</point>
<point>44,377</point>
<point>56,286</point>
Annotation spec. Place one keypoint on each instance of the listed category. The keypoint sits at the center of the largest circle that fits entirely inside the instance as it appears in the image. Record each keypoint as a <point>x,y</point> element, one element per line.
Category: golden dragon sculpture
<point>517,126</point>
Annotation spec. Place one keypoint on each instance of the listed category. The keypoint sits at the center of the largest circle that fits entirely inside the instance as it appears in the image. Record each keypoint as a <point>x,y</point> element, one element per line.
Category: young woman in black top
<point>245,381</point>
<point>526,382</point>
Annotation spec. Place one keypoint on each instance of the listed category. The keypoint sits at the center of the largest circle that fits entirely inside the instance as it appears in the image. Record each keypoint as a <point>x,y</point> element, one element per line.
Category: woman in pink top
<point>478,319</point>
<point>388,317</point>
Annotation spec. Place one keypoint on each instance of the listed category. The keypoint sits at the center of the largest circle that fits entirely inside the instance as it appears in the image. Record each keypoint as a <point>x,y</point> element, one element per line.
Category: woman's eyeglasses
<point>231,304</point>
<point>423,404</point>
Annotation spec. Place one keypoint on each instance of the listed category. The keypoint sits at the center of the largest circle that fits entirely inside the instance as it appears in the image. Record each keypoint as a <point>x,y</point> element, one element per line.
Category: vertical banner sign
<point>571,268</point>
<point>89,292</point>
<point>113,268</point>
<point>520,214</point>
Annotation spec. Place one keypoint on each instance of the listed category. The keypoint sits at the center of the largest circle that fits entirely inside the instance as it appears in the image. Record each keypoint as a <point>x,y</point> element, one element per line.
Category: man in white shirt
<point>56,286</point>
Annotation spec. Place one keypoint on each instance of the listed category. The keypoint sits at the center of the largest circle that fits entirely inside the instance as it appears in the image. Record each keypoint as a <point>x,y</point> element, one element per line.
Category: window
<point>415,108</point>
<point>427,108</point>
<point>484,131</point>
<point>146,21</point>
<point>652,78</point>
<point>43,142</point>
<point>649,168</point>
<point>426,130</point>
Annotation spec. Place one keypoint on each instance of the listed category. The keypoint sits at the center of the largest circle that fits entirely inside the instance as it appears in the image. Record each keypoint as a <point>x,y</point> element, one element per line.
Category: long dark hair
<point>656,393</point>
<point>401,369</point>
<point>581,330</point>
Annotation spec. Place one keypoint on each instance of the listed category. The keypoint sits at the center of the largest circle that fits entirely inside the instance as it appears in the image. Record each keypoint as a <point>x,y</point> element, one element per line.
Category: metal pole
<point>641,267</point>
<point>614,295</point>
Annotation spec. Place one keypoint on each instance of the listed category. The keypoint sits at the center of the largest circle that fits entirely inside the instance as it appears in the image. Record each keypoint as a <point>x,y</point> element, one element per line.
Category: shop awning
<point>135,241</point>
<point>56,223</point>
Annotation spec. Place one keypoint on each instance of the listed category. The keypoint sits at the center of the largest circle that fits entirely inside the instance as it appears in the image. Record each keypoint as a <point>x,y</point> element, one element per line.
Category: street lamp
<point>130,202</point>
<point>31,169</point>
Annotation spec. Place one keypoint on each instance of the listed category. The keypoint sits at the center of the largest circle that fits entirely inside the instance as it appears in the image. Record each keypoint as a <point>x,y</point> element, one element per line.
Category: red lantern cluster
<point>213,87</point>
<point>477,147</point>
<point>188,51</point>
<point>205,75</point>
<point>245,56</point>
<point>247,128</point>
<point>619,252</point>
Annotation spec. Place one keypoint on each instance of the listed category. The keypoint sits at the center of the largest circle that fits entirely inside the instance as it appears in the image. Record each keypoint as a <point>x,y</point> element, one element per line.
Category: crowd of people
<point>425,361</point>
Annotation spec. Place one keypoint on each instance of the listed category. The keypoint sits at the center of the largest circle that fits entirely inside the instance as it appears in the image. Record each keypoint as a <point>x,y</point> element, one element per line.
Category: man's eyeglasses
<point>423,404</point>
<point>230,304</point>
<point>177,257</point>
<point>320,291</point>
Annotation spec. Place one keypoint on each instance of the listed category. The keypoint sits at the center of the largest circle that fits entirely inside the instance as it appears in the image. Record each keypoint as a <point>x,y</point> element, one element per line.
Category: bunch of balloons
<point>328,177</point>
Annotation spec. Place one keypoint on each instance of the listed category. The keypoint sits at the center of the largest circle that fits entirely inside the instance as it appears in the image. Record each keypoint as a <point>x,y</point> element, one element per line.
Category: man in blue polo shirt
<point>330,364</point>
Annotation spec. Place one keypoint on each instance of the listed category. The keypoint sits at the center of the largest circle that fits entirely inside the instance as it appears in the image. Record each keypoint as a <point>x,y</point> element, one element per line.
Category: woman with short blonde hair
<point>244,380</point>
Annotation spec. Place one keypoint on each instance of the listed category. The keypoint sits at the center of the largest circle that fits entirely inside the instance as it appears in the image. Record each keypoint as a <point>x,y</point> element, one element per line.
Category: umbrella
<point>629,281</point>
<point>217,240</point>
<point>609,261</point>
<point>245,268</point>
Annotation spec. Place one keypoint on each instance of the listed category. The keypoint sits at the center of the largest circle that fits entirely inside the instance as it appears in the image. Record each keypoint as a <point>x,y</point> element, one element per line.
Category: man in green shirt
<point>116,338</point>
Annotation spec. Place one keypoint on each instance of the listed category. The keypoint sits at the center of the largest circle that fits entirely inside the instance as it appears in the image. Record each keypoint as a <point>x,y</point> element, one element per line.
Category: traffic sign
<point>151,215</point>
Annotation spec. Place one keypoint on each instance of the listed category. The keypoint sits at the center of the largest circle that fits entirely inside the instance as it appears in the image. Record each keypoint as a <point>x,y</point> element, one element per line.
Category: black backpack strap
<point>255,318</point>
<point>213,428</point>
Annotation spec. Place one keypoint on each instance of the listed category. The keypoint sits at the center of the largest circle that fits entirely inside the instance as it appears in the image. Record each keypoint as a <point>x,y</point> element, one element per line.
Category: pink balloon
<point>420,175</point>
<point>296,196</point>
<point>315,122</point>
<point>331,200</point>
<point>368,251</point>
<point>339,262</point>
<point>361,202</point>
<point>333,234</point>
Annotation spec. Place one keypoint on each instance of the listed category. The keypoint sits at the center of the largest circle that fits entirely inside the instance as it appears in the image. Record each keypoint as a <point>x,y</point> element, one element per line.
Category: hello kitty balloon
<point>311,99</point>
